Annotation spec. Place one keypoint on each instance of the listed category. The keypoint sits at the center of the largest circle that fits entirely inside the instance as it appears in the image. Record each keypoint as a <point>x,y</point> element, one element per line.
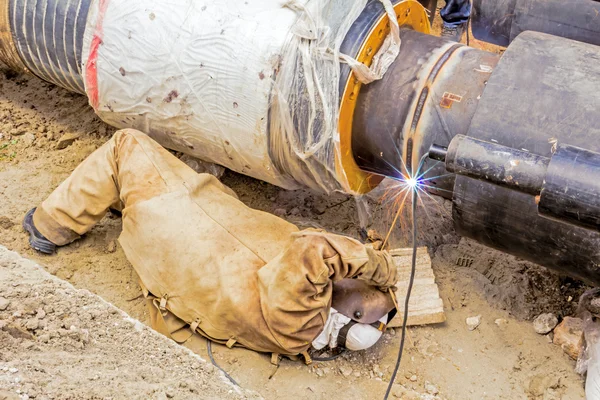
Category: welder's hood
<point>362,302</point>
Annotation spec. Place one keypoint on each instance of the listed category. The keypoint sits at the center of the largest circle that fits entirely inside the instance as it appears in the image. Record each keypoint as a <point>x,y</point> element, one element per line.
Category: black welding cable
<point>411,280</point>
<point>212,360</point>
<point>330,358</point>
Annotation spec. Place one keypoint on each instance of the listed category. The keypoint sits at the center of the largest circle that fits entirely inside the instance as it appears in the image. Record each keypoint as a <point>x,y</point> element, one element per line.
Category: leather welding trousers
<point>208,263</point>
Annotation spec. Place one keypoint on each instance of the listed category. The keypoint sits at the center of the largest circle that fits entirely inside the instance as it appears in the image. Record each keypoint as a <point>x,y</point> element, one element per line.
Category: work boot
<point>36,239</point>
<point>453,32</point>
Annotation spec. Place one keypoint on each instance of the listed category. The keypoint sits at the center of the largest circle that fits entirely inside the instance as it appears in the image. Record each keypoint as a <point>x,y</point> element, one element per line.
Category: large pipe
<point>219,102</point>
<point>543,89</point>
<point>501,21</point>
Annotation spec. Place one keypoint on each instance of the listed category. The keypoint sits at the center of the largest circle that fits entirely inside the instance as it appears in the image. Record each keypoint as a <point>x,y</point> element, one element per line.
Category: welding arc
<point>411,281</point>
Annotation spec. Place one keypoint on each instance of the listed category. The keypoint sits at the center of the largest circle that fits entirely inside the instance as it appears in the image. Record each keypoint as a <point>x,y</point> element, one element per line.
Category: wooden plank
<point>425,305</point>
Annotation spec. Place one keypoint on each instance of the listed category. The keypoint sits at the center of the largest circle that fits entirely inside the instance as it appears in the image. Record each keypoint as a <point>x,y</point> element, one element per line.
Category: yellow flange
<point>410,14</point>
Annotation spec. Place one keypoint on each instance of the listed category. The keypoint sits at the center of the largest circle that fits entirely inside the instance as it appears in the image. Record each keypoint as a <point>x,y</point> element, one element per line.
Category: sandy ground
<point>447,361</point>
<point>59,342</point>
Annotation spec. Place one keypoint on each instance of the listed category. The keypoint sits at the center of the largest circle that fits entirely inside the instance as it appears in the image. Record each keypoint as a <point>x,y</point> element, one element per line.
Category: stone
<point>376,369</point>
<point>32,324</point>
<point>66,140</point>
<point>545,323</point>
<point>17,332</point>
<point>413,378</point>
<point>540,384</point>
<point>45,338</point>
<point>111,247</point>
<point>13,370</point>
<point>569,336</point>
<point>346,371</point>
<point>501,322</point>
<point>4,303</point>
<point>6,223</point>
<point>431,388</point>
<point>28,139</point>
<point>41,314</point>
<point>473,322</point>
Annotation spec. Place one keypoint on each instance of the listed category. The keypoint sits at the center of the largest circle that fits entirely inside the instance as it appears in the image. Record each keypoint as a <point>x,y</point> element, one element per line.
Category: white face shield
<point>357,337</point>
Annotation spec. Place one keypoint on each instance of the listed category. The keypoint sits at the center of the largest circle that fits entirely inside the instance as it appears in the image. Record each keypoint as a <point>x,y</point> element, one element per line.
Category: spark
<point>409,185</point>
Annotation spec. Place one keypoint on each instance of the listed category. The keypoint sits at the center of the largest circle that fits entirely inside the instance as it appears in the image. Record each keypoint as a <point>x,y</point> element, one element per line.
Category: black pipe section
<point>433,87</point>
<point>500,165</point>
<point>48,36</point>
<point>566,185</point>
<point>543,90</point>
<point>501,21</point>
<point>571,191</point>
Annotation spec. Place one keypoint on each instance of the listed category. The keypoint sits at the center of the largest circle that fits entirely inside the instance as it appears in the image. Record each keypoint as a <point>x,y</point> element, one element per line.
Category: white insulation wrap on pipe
<point>252,85</point>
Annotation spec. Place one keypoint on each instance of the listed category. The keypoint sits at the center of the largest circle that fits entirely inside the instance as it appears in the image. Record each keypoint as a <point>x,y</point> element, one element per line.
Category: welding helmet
<point>357,318</point>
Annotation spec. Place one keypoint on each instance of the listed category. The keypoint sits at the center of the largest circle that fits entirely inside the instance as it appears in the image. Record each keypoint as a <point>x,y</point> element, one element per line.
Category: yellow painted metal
<point>411,14</point>
<point>8,50</point>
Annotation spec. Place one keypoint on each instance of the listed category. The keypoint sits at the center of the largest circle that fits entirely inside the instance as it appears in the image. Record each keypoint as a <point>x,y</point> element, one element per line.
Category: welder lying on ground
<point>208,263</point>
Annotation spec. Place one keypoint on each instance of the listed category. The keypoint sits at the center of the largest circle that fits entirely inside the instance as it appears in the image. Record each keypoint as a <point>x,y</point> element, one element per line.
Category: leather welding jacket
<point>208,263</point>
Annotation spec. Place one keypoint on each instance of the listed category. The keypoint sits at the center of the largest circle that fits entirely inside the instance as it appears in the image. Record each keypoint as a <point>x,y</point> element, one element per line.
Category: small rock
<point>544,323</point>
<point>501,322</point>
<point>4,303</point>
<point>319,208</point>
<point>413,378</point>
<point>6,223</point>
<point>45,338</point>
<point>67,139</point>
<point>17,332</point>
<point>13,370</point>
<point>539,385</point>
<point>170,392</point>
<point>111,247</point>
<point>473,322</point>
<point>319,372</point>
<point>32,324</point>
<point>41,314</point>
<point>569,336</point>
<point>431,389</point>
<point>28,139</point>
<point>346,371</point>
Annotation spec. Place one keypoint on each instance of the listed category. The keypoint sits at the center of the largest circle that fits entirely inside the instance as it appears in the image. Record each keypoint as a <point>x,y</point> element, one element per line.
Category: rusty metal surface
<point>429,94</point>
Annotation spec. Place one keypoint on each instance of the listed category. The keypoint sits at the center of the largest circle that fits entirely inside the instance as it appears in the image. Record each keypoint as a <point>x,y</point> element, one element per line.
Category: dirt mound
<point>520,287</point>
<point>62,343</point>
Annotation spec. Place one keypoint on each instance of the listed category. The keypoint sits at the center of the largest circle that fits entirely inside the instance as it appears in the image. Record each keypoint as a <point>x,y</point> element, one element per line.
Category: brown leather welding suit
<point>208,263</point>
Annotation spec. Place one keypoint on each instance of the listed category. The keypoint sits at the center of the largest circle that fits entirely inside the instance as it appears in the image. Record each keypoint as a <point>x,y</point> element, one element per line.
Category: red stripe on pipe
<point>91,69</point>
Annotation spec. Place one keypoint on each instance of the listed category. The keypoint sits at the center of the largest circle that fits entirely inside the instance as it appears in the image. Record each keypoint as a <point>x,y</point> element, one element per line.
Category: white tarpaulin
<point>251,85</point>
